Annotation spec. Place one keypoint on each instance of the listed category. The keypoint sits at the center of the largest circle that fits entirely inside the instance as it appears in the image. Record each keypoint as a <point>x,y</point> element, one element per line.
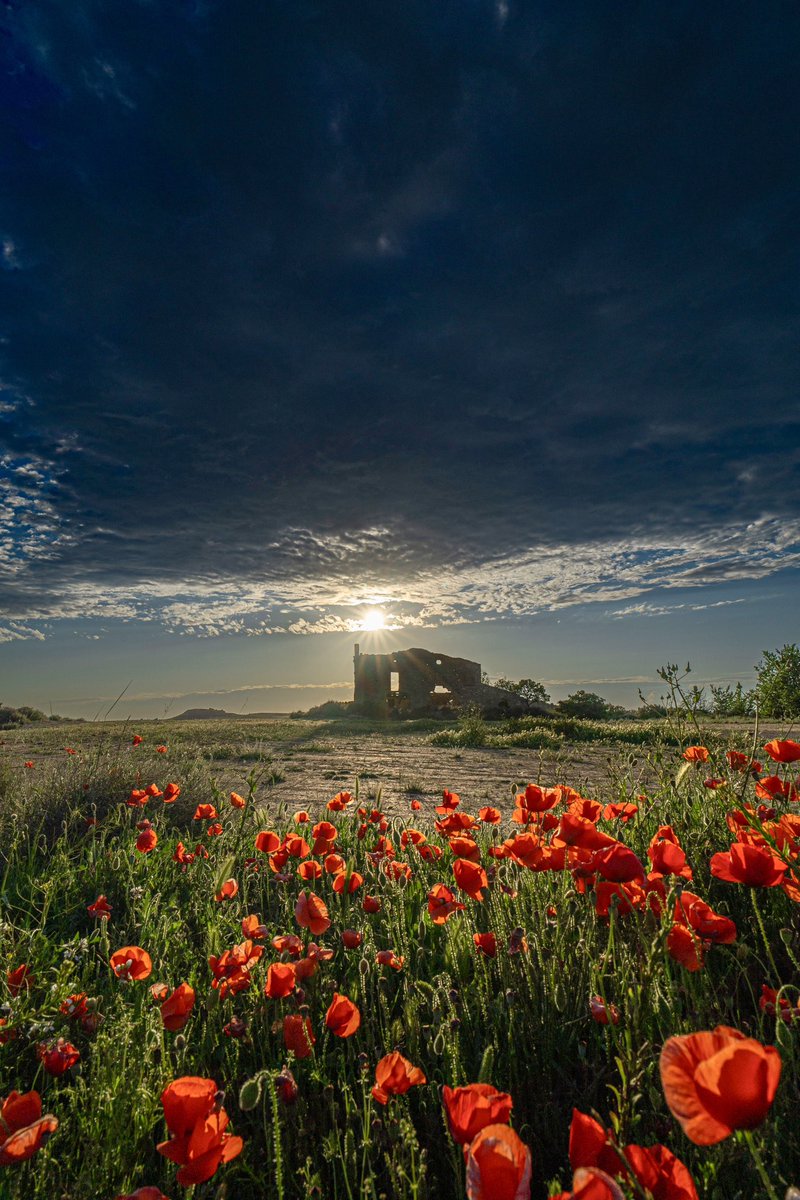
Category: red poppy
<point>603,1013</point>
<point>30,764</point>
<point>351,939</point>
<point>74,1006</point>
<point>498,1165</point>
<point>301,817</point>
<point>388,958</point>
<point>752,865</point>
<point>171,793</point>
<point>137,739</point>
<point>718,1081</point>
<point>773,1005</point>
<point>618,864</point>
<point>214,829</point>
<point>147,841</point>
<point>100,908</point>
<point>237,801</point>
<point>176,1007</point>
<point>371,904</point>
<point>298,1035</point>
<point>19,978</point>
<point>489,815</point>
<point>280,981</point>
<point>450,801</point>
<point>783,752</point>
<point>161,749</point>
<point>590,1183</point>
<point>131,962</point>
<point>23,1129</point>
<point>289,942</point>
<point>309,870</point>
<point>339,802</point>
<point>470,1109</point>
<point>231,970</point>
<point>667,855</point>
<point>227,890</point>
<point>296,846</point>
<point>59,1057</point>
<point>394,1075</point>
<point>144,1193</point>
<point>347,882</point>
<point>696,754</point>
<point>252,927</point>
<point>199,1142</point>
<point>620,811</point>
<point>470,877</point>
<point>695,914</point>
<point>311,913</point>
<point>343,1017</point>
<point>486,943</point>
<point>442,903</point>
<point>205,812</point>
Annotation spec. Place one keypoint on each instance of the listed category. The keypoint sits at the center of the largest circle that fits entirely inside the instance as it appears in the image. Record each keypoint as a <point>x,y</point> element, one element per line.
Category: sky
<point>482,314</point>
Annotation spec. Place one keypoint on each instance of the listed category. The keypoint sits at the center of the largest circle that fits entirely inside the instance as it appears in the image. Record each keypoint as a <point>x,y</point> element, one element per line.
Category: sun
<point>373,619</point>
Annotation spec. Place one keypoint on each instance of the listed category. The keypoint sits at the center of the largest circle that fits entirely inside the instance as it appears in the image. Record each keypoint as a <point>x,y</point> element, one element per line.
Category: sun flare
<point>373,619</point>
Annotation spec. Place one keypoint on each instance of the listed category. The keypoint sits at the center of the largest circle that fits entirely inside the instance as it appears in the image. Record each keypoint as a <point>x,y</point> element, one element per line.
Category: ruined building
<point>417,681</point>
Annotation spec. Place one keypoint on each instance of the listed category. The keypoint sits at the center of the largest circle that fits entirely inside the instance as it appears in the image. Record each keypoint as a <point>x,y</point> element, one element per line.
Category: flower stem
<point>758,1160</point>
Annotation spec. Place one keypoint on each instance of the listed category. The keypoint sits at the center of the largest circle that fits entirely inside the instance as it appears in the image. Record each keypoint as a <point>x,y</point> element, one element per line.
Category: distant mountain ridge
<point>219,714</point>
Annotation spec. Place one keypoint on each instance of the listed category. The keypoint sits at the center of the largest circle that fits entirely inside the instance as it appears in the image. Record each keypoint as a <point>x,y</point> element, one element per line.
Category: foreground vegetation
<point>551,953</point>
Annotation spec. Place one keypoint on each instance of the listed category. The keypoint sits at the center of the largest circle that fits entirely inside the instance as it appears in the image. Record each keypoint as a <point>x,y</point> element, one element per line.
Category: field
<point>332,978</point>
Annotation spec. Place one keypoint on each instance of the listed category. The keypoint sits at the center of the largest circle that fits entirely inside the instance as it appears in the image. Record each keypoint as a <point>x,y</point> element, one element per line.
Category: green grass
<point>443,1010</point>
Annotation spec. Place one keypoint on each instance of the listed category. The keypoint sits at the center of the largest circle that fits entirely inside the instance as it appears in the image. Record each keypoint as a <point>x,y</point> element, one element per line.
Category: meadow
<point>473,962</point>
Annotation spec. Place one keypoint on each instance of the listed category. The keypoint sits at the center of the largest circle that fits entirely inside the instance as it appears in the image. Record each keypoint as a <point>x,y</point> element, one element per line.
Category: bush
<point>778,687</point>
<point>591,707</point>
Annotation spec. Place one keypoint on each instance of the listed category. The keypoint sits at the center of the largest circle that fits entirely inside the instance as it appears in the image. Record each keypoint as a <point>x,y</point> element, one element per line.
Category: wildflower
<point>718,1081</point>
<point>342,1017</point>
<point>214,829</point>
<point>296,846</point>
<point>280,980</point>
<point>371,904</point>
<point>311,913</point>
<point>74,1006</point>
<point>415,805</point>
<point>347,882</point>
<point>470,877</point>
<point>498,1165</point>
<point>197,1124</point>
<point>153,790</point>
<point>442,903</point>
<point>144,1193</point>
<point>237,801</point>
<point>489,815</point>
<point>298,1035</point>
<point>171,793</point>
<point>147,841</point>
<point>131,963</point>
<point>388,958</point>
<point>696,754</point>
<point>772,1006</point>
<point>161,749</point>
<point>603,1013</point>
<point>137,739</point>
<point>450,801</point>
<point>486,943</point>
<point>267,841</point>
<point>205,812</point>
<point>394,1075</point>
<point>231,970</point>
<point>235,1028</point>
<point>783,752</point>
<point>339,802</point>
<point>252,927</point>
<point>309,870</point>
<point>227,891</point>
<point>69,750</point>
<point>752,865</point>
<point>19,978</point>
<point>177,1007</point>
<point>30,764</point>
<point>23,1129</point>
<point>351,939</point>
<point>58,1058</point>
<point>301,817</point>
<point>470,1109</point>
<point>286,1086</point>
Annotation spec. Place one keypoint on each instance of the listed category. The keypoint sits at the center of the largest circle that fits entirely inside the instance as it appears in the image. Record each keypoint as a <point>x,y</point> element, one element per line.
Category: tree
<point>731,702</point>
<point>529,690</point>
<point>778,687</point>
<point>590,706</point>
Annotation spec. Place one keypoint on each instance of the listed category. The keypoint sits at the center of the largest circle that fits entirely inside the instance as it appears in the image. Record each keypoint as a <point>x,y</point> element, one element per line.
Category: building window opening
<point>394,681</point>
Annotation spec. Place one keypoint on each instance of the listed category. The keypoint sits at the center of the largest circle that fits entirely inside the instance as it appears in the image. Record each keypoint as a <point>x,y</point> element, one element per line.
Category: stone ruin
<point>421,681</point>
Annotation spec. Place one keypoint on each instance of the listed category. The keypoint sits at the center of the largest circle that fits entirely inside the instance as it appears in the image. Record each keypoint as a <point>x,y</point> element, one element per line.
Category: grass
<point>523,1018</point>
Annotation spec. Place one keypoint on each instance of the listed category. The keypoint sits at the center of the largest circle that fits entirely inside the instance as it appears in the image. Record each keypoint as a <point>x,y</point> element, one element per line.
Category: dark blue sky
<point>482,312</point>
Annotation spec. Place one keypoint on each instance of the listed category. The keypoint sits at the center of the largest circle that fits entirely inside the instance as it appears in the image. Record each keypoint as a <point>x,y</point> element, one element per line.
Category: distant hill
<point>219,714</point>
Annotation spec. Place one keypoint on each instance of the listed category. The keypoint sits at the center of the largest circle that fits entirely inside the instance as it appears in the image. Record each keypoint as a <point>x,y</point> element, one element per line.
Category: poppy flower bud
<point>300,996</point>
<point>219,1100</point>
<point>438,1043</point>
<point>363,966</point>
<point>455,1024</point>
<point>304,1010</point>
<point>453,994</point>
<point>511,996</point>
<point>250,1093</point>
<point>180,1042</point>
<point>363,1062</point>
<point>286,1086</point>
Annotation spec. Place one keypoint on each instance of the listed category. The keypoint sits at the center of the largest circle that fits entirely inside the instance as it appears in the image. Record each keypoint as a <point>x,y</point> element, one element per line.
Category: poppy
<point>618,864</point>
<point>310,870</point>
<point>751,865</point>
<point>205,812</point>
<point>137,739</point>
<point>58,1058</point>
<point>442,903</point>
<point>371,904</point>
<point>339,802</point>
<point>388,958</point>
<point>696,754</point>
<point>298,1035</point>
<point>351,939</point>
<point>289,942</point>
<point>138,798</point>
<point>311,913</point>
<point>783,752</point>
<point>177,1007</point>
<point>161,749</point>
<point>620,811</point>
<point>237,801</point>
<point>23,1129</point>
<point>214,829</point>
<point>144,1193</point>
<point>590,1183</point>
<point>347,883</point>
<point>198,1139</point>
<point>415,806</point>
<point>693,912</point>
<point>235,1028</point>
<point>231,970</point>
<point>498,1165</point>
<point>772,1005</point>
<point>489,815</point>
<point>267,841</point>
<point>280,981</point>
<point>464,846</point>
<point>718,1081</point>
<point>19,978</point>
<point>343,1017</point>
<point>334,863</point>
<point>470,877</point>
<point>603,1013</point>
<point>227,891</point>
<point>147,841</point>
<point>450,801</point>
<point>486,943</point>
<point>30,764</point>
<point>394,1075</point>
<point>131,962</point>
<point>301,817</point>
<point>101,908</point>
<point>296,846</point>
<point>74,1006</point>
<point>470,1109</point>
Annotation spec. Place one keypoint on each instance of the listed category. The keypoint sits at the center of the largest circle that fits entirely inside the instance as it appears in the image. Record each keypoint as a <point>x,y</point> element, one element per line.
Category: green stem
<point>764,937</point>
<point>758,1160</point>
